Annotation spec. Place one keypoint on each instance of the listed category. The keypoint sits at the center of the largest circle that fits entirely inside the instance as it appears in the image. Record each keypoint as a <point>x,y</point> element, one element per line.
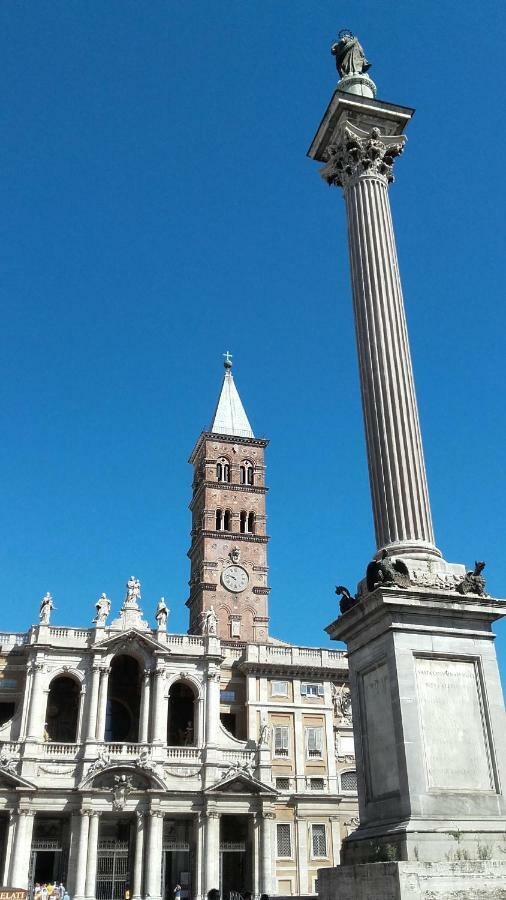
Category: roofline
<point>227,439</point>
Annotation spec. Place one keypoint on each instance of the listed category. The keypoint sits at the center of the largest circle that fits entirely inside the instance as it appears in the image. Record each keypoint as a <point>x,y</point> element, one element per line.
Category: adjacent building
<point>135,759</point>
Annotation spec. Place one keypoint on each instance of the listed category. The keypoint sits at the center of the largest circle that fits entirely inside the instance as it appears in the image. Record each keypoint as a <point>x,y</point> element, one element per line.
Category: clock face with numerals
<point>235,578</point>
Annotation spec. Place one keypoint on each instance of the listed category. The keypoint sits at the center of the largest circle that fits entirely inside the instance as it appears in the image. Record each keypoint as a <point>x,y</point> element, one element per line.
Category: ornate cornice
<point>227,536</point>
<point>355,154</point>
<point>227,486</point>
<point>226,439</point>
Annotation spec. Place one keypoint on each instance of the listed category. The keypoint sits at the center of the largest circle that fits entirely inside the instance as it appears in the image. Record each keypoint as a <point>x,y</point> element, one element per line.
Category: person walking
<point>177,892</point>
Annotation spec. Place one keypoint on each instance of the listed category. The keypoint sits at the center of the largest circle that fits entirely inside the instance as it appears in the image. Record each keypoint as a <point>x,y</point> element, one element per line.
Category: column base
<point>471,880</point>
<point>420,550</point>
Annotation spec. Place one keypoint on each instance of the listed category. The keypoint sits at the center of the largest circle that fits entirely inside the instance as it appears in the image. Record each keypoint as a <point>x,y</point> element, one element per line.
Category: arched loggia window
<point>223,469</point>
<point>251,523</point>
<point>62,710</point>
<point>219,520</point>
<point>246,472</point>
<point>182,718</point>
<point>243,521</point>
<point>123,700</point>
<point>227,521</point>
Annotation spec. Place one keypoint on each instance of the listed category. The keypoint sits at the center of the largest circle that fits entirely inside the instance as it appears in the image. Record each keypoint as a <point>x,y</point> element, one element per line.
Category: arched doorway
<point>123,700</point>
<point>182,719</point>
<point>62,710</point>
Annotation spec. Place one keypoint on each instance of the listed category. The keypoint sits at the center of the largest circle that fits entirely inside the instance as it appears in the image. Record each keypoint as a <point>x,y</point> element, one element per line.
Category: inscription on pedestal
<point>378,733</point>
<point>455,739</point>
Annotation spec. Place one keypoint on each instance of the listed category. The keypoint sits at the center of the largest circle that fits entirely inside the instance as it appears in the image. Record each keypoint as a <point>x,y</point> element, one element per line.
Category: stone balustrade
<point>296,656</point>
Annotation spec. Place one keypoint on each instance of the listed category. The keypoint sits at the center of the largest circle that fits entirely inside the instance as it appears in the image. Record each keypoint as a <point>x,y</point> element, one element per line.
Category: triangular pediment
<point>10,779</point>
<point>123,640</point>
<point>240,782</point>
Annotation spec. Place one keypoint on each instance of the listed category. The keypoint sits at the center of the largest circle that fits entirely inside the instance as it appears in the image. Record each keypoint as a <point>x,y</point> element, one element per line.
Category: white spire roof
<point>229,415</point>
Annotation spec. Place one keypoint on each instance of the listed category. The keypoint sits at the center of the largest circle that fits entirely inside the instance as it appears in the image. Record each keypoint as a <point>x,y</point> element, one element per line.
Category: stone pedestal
<point>476,880</point>
<point>429,726</point>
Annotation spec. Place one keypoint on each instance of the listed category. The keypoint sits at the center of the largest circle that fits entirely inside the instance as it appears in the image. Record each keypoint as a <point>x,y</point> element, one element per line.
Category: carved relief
<point>358,153</point>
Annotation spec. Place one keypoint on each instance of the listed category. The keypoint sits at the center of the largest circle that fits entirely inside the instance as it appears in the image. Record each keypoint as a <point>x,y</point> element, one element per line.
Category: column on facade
<point>138,855</point>
<point>198,838</point>
<point>91,732</point>
<point>335,834</point>
<point>102,702</point>
<point>81,862</point>
<point>9,845</point>
<point>159,724</point>
<point>91,862</point>
<point>402,516</point>
<point>37,707</point>
<point>266,841</point>
<point>212,706</point>
<point>330,739</point>
<point>212,851</point>
<point>145,707</point>
<point>299,742</point>
<point>301,826</point>
<point>21,849</point>
<point>153,886</point>
<point>254,838</point>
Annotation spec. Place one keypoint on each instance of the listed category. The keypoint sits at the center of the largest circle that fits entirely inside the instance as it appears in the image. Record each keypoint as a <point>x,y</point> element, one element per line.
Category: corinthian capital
<point>356,152</point>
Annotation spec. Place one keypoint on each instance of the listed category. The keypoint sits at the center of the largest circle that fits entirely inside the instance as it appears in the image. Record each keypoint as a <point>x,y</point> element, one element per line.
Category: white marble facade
<point>132,757</point>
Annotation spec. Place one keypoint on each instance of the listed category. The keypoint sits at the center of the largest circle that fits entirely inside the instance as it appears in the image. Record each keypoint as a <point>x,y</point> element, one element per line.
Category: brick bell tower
<point>228,553</point>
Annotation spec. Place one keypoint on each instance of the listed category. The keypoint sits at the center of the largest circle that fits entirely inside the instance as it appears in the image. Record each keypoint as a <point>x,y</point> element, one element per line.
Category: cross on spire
<point>228,360</point>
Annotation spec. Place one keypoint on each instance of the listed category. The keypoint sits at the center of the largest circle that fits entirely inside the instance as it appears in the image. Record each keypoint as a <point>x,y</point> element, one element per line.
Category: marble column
<point>159,725</point>
<point>145,707</point>
<point>335,832</point>
<point>212,851</point>
<point>360,161</point>
<point>21,849</point>
<point>82,856</point>
<point>266,828</point>
<point>199,854</point>
<point>91,863</point>
<point>138,856</point>
<point>102,702</point>
<point>93,704</point>
<point>37,708</point>
<point>153,885</point>
<point>212,706</point>
<point>9,844</point>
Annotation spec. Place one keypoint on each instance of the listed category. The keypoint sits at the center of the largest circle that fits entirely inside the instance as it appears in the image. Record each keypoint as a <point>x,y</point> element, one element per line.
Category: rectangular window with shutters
<point>314,743</point>
<point>317,784</point>
<point>319,841</point>
<point>311,689</point>
<point>284,840</point>
<point>281,740</point>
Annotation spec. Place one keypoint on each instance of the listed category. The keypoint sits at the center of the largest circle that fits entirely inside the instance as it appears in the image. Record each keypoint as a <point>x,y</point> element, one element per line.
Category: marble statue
<point>350,57</point>
<point>473,582</point>
<point>162,614</point>
<point>103,608</point>
<point>133,589</point>
<point>210,621</point>
<point>46,605</point>
<point>121,789</point>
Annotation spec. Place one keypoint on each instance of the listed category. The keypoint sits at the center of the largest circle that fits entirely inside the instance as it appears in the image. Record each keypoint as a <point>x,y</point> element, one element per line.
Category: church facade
<point>134,759</point>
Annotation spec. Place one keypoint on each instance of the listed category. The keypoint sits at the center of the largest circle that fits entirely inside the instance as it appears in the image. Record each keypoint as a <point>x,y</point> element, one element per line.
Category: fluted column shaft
<point>401,509</point>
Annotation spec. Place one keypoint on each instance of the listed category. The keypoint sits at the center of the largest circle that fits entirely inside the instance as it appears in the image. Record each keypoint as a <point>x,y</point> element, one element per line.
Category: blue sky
<point>158,209</point>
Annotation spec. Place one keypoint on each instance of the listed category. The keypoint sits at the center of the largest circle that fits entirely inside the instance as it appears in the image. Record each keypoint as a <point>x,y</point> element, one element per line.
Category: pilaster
<point>91,862</point>
<point>212,850</point>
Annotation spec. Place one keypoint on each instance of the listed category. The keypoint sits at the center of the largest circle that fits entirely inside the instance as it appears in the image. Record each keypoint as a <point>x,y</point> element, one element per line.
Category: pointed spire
<point>229,415</point>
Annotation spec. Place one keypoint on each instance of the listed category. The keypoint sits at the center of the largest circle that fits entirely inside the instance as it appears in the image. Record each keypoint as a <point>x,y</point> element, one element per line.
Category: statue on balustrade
<point>46,605</point>
<point>210,621</point>
<point>162,614</point>
<point>103,608</point>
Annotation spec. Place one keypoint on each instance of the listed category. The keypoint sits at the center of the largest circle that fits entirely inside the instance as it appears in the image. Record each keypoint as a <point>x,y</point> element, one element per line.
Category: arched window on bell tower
<point>246,472</point>
<point>223,469</point>
<point>243,521</point>
<point>219,520</point>
<point>251,523</point>
<point>227,520</point>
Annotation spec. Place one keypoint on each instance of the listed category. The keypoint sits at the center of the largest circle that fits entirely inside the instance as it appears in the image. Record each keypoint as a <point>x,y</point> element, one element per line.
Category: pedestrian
<point>213,894</point>
<point>66,895</point>
<point>264,896</point>
<point>177,892</point>
<point>43,892</point>
<point>36,891</point>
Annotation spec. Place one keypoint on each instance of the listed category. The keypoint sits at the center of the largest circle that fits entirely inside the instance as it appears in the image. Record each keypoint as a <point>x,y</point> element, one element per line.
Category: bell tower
<point>228,553</point>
